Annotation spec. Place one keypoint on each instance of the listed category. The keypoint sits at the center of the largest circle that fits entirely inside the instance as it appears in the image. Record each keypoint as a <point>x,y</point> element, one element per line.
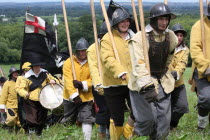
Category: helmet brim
<point>173,16</point>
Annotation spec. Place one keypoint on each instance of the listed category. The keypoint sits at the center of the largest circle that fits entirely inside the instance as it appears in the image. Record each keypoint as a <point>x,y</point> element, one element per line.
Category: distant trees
<point>11,37</point>
<point>80,24</point>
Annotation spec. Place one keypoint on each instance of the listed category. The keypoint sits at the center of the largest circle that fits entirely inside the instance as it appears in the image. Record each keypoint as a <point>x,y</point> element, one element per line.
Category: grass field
<point>187,129</point>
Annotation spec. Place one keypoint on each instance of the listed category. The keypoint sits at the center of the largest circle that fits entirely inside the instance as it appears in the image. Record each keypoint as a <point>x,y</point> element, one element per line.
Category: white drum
<point>51,96</point>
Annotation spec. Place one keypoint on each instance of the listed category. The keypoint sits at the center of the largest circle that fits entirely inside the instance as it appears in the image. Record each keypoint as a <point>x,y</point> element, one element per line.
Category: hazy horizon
<point>29,1</point>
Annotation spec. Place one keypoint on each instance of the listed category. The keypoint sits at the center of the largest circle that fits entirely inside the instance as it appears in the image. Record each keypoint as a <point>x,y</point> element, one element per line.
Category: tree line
<point>80,24</point>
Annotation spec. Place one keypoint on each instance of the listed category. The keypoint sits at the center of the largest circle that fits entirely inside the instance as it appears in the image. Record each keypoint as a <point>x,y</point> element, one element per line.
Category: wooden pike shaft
<point>68,39</point>
<point>109,30</point>
<point>95,35</point>
<point>202,28</point>
<point>143,33</point>
<point>135,15</point>
<point>2,73</point>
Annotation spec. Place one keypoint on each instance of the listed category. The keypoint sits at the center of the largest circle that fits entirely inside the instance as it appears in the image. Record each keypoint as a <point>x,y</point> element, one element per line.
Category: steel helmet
<point>82,44</point>
<point>161,9</point>
<point>103,29</point>
<point>178,28</point>
<point>11,70</point>
<point>119,15</point>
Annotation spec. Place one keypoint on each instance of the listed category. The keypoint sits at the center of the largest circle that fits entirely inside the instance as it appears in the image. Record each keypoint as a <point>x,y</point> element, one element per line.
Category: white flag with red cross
<point>34,24</point>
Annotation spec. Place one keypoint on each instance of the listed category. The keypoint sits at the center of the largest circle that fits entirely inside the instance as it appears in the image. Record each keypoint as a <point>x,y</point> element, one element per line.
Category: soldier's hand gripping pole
<point>68,39</point>
<point>95,35</point>
<point>135,15</point>
<point>109,30</point>
<point>144,43</point>
<point>202,28</point>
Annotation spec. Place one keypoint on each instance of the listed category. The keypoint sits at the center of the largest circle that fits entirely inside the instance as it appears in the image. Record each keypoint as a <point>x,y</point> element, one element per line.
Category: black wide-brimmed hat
<point>37,61</point>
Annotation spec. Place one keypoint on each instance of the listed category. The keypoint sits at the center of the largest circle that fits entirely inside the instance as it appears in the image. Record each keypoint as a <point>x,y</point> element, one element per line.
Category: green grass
<point>187,128</point>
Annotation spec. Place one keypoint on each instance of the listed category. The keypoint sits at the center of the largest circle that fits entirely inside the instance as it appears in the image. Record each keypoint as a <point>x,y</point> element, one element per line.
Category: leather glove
<point>78,84</point>
<point>207,72</point>
<point>99,89</point>
<point>174,74</point>
<point>77,100</point>
<point>150,93</point>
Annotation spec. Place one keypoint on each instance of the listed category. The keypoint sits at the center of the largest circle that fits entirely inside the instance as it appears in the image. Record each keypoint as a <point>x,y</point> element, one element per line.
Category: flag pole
<point>68,39</point>
<point>202,28</point>
<point>135,15</point>
<point>55,23</point>
<point>143,34</point>
<point>95,35</point>
<point>109,30</point>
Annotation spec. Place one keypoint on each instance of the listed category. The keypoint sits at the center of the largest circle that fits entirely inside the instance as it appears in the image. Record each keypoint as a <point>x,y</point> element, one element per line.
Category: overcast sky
<point>29,1</point>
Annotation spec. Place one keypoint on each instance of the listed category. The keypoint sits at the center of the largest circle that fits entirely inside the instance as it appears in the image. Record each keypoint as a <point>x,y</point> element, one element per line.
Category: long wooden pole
<point>68,39</point>
<point>143,34</point>
<point>135,15</point>
<point>202,29</point>
<point>2,73</point>
<point>95,35</point>
<point>207,2</point>
<point>166,1</point>
<point>109,30</point>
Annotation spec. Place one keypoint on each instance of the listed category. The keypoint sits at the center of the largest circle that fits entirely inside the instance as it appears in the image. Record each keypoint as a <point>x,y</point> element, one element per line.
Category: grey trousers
<point>151,119</point>
<point>203,88</point>
<point>179,105</point>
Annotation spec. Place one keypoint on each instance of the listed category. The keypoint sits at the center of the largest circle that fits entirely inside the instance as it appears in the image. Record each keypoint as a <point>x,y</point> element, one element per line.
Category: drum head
<point>51,96</point>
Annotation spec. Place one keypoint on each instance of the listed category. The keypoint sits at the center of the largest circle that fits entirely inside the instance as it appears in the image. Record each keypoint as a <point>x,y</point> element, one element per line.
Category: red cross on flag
<point>34,24</point>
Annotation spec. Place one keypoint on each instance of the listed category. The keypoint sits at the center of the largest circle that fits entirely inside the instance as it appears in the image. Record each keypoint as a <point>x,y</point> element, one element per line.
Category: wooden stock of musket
<point>68,39</point>
<point>143,33</point>
<point>109,30</point>
<point>202,28</point>
<point>95,36</point>
<point>135,15</point>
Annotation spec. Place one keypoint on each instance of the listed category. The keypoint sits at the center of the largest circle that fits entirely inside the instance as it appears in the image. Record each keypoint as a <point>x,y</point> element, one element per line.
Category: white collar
<point>83,62</point>
<point>30,73</point>
<point>149,28</point>
<point>180,48</point>
<point>130,34</point>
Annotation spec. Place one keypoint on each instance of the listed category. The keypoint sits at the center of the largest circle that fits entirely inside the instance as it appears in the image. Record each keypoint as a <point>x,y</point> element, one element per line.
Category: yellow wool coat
<point>93,65</point>
<point>9,96</point>
<point>22,87</point>
<point>139,76</point>
<point>196,48</point>
<point>82,74</point>
<point>179,63</point>
<point>111,68</point>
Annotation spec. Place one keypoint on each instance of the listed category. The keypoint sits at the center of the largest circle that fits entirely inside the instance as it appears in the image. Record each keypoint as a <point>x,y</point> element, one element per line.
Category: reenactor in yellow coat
<point>3,114</point>
<point>201,68</point>
<point>30,87</point>
<point>78,104</point>
<point>150,93</point>
<point>103,115</point>
<point>115,74</point>
<point>179,104</point>
<point>25,67</point>
<point>8,100</point>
